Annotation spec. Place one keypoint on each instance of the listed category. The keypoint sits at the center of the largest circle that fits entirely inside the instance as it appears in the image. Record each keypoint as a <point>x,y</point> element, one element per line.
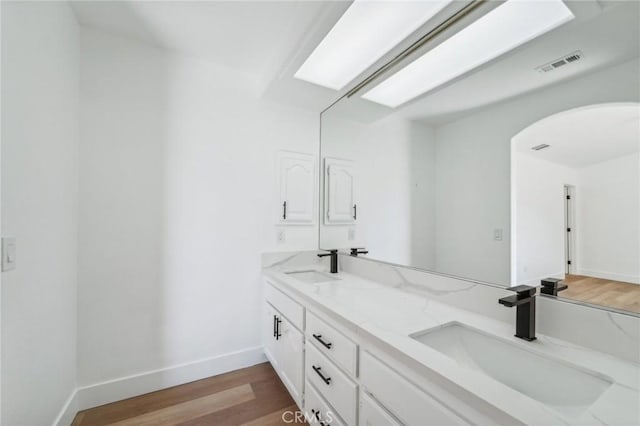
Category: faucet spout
<point>525,302</point>
<point>334,260</point>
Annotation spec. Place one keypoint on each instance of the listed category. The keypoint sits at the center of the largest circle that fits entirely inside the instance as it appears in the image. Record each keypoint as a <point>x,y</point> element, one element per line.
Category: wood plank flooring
<point>614,294</point>
<point>253,396</point>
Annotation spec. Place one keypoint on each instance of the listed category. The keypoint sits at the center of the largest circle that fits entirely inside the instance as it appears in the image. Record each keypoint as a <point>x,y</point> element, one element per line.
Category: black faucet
<point>357,251</point>
<point>525,302</point>
<point>552,286</point>
<point>334,260</point>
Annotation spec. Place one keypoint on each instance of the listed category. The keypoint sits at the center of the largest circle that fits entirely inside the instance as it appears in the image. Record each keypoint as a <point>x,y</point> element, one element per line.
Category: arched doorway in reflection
<point>575,204</point>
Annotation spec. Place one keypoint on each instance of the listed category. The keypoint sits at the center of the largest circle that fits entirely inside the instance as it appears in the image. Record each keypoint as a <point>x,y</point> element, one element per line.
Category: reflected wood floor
<point>253,396</point>
<point>614,294</point>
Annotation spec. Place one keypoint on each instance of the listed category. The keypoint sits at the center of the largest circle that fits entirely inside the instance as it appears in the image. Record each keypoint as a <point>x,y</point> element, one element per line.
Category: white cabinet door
<point>290,354</point>
<point>268,334</point>
<point>297,188</point>
<point>372,414</point>
<point>339,192</point>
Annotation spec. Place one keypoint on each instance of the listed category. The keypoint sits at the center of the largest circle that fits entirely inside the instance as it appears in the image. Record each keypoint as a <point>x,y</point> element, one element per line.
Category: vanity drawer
<point>372,414</point>
<point>332,343</point>
<point>292,310</point>
<point>335,386</point>
<point>317,409</point>
<point>407,402</point>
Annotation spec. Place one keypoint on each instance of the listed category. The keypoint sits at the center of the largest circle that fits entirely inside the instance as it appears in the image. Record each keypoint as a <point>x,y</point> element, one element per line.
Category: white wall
<point>540,222</point>
<point>394,162</point>
<point>608,219</point>
<point>39,208</point>
<point>606,215</point>
<point>178,198</point>
<point>473,172</point>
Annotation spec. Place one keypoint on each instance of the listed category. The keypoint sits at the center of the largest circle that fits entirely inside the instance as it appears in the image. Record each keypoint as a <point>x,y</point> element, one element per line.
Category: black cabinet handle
<point>318,337</point>
<point>316,413</point>
<point>327,380</point>
<point>275,326</point>
<point>278,335</point>
<point>284,210</point>
<point>355,211</point>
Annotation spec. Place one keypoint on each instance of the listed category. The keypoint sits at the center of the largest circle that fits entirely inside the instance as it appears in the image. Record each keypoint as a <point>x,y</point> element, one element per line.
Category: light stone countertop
<point>391,315</point>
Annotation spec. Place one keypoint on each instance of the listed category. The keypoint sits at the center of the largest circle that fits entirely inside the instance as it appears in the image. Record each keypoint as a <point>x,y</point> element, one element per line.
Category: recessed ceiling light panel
<point>503,29</point>
<point>364,33</point>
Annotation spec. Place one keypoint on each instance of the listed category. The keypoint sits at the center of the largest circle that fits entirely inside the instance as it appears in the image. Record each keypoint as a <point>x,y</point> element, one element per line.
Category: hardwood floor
<point>614,294</point>
<point>252,396</point>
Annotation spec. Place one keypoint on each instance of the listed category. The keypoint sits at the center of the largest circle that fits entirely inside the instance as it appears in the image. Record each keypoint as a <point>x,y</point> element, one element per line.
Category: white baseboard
<point>126,387</point>
<point>69,410</point>
<point>609,276</point>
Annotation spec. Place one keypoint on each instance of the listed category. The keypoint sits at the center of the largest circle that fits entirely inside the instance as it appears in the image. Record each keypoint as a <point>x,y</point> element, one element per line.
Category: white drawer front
<point>407,402</point>
<point>336,387</point>
<point>332,343</point>
<point>372,414</point>
<point>293,311</point>
<point>317,409</point>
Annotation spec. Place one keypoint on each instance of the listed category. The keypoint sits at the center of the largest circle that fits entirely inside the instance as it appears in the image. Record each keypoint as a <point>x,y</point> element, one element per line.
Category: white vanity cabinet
<point>317,410</point>
<point>402,398</point>
<point>372,414</point>
<point>284,343</point>
<point>341,378</point>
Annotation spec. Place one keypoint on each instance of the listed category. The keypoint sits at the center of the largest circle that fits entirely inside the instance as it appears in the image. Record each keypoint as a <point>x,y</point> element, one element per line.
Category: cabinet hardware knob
<point>326,380</point>
<point>355,211</point>
<point>318,337</point>
<point>284,210</point>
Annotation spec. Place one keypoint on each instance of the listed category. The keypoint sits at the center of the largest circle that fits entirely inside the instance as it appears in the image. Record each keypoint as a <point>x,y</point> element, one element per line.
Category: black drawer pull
<point>327,380</point>
<point>316,413</point>
<point>318,337</point>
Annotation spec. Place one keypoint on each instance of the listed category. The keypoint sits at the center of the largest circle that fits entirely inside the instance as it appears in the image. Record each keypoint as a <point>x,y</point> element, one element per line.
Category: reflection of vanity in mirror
<point>466,171</point>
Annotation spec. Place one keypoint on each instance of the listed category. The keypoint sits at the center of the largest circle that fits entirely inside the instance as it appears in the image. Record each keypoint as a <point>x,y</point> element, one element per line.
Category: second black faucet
<point>334,260</point>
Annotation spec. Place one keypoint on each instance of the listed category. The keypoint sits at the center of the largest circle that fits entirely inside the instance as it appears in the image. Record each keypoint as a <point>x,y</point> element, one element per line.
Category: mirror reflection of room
<point>425,174</point>
<point>577,204</point>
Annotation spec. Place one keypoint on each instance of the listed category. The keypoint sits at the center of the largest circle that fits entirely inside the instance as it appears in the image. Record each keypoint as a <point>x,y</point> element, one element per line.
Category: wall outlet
<point>8,253</point>
<point>281,236</point>
<point>497,234</point>
<point>351,233</point>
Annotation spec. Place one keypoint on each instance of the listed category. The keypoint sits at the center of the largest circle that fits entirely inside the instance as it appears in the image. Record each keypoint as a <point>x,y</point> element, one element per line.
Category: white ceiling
<point>257,38</point>
<point>269,40</point>
<point>245,36</point>
<point>605,32</point>
<point>584,136</point>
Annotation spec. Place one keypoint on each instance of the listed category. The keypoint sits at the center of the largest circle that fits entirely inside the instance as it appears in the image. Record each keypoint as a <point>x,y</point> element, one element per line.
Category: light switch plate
<point>8,253</point>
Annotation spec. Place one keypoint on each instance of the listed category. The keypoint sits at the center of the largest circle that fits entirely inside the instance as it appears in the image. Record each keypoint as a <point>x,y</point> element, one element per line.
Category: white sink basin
<point>566,388</point>
<point>312,277</point>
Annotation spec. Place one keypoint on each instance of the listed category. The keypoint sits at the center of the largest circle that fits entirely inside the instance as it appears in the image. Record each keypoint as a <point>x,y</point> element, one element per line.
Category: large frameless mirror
<point>503,149</point>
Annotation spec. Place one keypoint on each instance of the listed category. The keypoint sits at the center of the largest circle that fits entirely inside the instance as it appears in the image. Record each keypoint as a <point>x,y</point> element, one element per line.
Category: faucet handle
<point>358,250</point>
<point>552,286</point>
<point>523,290</point>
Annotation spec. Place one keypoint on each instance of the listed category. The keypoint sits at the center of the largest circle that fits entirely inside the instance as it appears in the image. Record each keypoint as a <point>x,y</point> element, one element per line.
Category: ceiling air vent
<point>540,147</point>
<point>560,62</point>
